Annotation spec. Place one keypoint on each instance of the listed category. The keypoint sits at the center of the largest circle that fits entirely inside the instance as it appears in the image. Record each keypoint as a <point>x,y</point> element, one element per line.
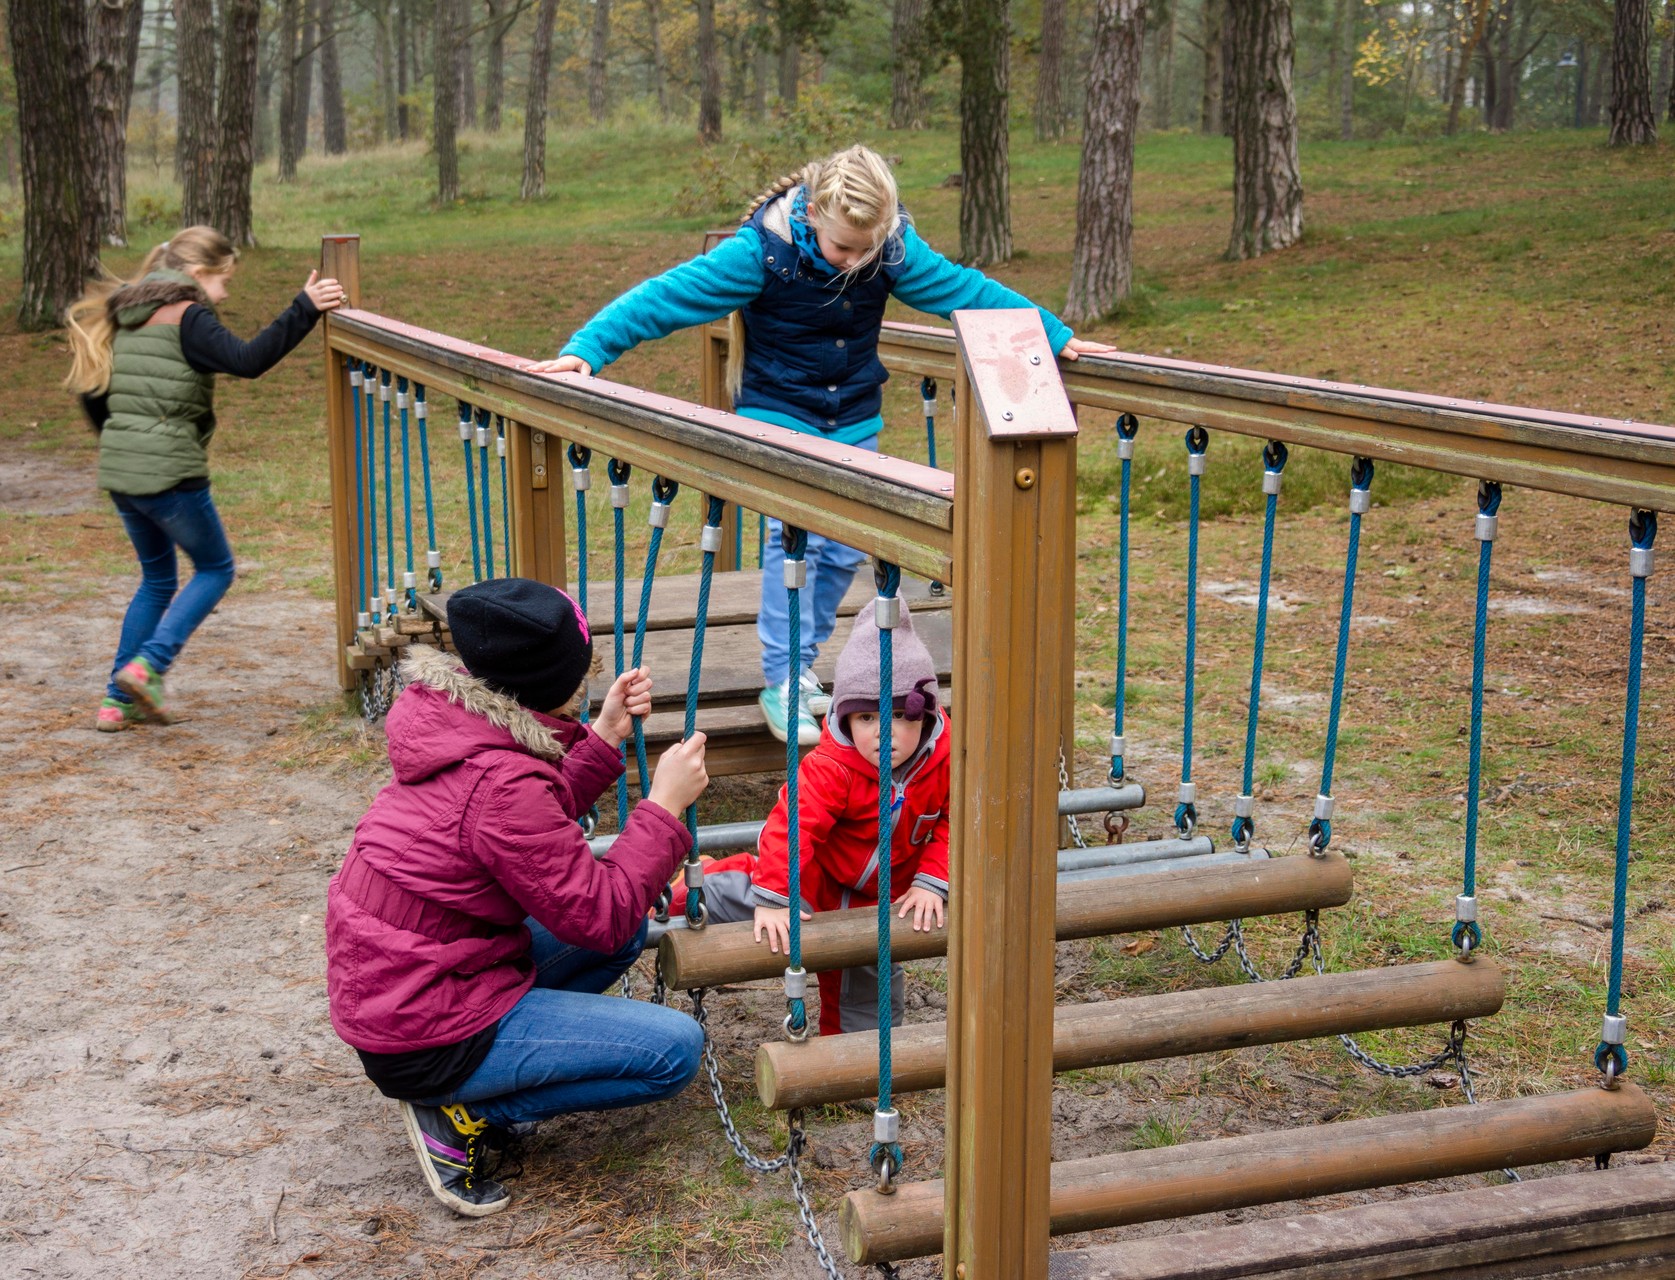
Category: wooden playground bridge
<point>1004,540</point>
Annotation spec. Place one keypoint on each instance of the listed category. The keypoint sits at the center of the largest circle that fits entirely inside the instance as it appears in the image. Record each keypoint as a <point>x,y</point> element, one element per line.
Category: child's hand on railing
<point>680,778</point>
<point>629,696</point>
<point>326,295</point>
<point>775,923</point>
<point>1076,348</point>
<point>926,906</point>
<point>564,364</point>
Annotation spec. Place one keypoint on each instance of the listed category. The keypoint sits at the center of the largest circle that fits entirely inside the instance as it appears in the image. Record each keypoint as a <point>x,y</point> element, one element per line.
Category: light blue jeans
<point>162,616</point>
<point>831,569</point>
<point>566,1047</point>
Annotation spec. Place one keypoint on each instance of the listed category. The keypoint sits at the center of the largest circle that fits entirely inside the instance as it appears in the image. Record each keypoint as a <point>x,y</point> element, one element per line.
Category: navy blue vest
<point>811,347</point>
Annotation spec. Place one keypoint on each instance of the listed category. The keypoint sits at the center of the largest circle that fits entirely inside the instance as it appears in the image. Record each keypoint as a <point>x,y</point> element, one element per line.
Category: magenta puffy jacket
<point>425,941</point>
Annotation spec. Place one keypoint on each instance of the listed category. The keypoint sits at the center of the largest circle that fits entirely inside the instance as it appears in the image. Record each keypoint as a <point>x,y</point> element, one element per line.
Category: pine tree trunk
<point>1476,24</point>
<point>266,57</point>
<point>1164,111</point>
<point>598,103</point>
<point>305,76</point>
<point>1210,104</point>
<point>907,61</point>
<point>659,67</point>
<point>107,45</point>
<point>1267,187</point>
<point>445,116</point>
<point>494,83</point>
<point>1663,92</point>
<point>1346,73</point>
<point>236,155</point>
<point>709,73</point>
<point>761,62</point>
<point>1633,122</point>
<point>334,128</point>
<point>1049,79</point>
<point>985,195</point>
<point>1101,269</point>
<point>62,212</point>
<point>290,13</point>
<point>403,124</point>
<point>790,68</point>
<point>1596,88</point>
<point>467,65</point>
<point>159,39</point>
<point>535,104</point>
<point>195,38</point>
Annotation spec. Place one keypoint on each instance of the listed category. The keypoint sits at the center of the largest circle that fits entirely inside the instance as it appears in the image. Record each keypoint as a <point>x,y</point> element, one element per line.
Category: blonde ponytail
<point>92,317</point>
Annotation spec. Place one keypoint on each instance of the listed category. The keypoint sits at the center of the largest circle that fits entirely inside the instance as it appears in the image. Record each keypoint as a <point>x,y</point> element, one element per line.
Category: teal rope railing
<point>885,1155</point>
<point>1611,1057</point>
<point>470,490</point>
<point>389,497</point>
<point>795,543</point>
<point>433,556</point>
<point>1244,807</point>
<point>1467,933</point>
<point>662,497</point>
<point>582,480</point>
<point>618,473</point>
<point>709,541</point>
<point>409,579</point>
<point>483,490</point>
<point>1128,427</point>
<point>1186,806</point>
<point>1360,502</point>
<point>373,596</point>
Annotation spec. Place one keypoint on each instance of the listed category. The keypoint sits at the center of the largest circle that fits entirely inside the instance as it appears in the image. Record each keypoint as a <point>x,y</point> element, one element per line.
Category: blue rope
<point>1197,443</point>
<point>618,472</point>
<point>373,598</point>
<point>470,491</point>
<point>409,581</point>
<point>1361,480</point>
<point>927,393</point>
<point>483,490</point>
<point>888,577</point>
<point>795,544</point>
<point>1488,504</point>
<point>360,487</point>
<point>1643,531</point>
<point>1274,458</point>
<point>505,498</point>
<point>717,508</point>
<point>1128,426</point>
<point>580,456</point>
<point>432,559</point>
<point>662,494</point>
<point>738,537</point>
<point>389,496</point>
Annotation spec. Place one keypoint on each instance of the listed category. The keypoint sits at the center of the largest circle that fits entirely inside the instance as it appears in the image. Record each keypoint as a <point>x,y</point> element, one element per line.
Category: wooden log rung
<point>1292,1164</point>
<point>1619,1221</point>
<point>1086,909</point>
<point>843,1067</point>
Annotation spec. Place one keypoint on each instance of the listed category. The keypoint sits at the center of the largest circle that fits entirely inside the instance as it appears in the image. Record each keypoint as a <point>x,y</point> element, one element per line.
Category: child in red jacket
<point>838,815</point>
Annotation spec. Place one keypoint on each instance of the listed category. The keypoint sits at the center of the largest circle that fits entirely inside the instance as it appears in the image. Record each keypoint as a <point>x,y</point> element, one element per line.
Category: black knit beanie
<point>524,638</point>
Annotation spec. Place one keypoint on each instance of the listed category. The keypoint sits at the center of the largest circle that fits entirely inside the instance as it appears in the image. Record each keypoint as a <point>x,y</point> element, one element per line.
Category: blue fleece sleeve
<point>929,282</point>
<point>707,288</point>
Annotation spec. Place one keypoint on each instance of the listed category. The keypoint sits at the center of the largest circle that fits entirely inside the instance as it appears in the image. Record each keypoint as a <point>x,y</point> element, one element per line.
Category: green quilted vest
<point>162,411</point>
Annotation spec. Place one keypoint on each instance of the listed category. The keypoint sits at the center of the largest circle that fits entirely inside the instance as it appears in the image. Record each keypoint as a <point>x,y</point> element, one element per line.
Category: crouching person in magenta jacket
<point>470,934</point>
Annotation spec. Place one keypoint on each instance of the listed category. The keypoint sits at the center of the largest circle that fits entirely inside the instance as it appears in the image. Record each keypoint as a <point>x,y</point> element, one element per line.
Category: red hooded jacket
<point>425,941</point>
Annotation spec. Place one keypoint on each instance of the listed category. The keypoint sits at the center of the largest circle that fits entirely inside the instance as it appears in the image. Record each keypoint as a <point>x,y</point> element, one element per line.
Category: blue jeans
<point>831,568</point>
<point>162,616</point>
<point>565,1047</point>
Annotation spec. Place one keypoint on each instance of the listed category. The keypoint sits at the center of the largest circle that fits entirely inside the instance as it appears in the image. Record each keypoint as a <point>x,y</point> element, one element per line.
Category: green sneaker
<point>115,715</point>
<point>774,703</point>
<point>453,1146</point>
<point>144,684</point>
<point>814,694</point>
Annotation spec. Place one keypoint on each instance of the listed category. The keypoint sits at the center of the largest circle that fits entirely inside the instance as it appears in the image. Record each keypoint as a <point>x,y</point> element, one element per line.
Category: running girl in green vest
<point>145,353</point>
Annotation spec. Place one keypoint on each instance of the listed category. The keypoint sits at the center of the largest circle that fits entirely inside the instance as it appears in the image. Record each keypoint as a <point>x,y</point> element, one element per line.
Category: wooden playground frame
<point>1005,539</point>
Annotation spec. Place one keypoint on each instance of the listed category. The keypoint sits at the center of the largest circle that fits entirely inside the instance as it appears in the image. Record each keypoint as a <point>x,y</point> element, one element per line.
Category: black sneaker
<point>451,1144</point>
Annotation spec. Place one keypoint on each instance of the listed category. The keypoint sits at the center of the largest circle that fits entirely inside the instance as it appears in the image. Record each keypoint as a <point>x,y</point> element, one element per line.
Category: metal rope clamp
<point>355,377</point>
<point>1119,749</point>
<point>1186,811</point>
<point>796,575</point>
<point>384,387</point>
<point>1244,811</point>
<point>796,988</point>
<point>695,885</point>
<point>1467,935</point>
<point>1320,830</point>
<point>1611,1058</point>
<point>709,539</point>
<point>421,409</point>
<point>886,1134</point>
<point>465,422</point>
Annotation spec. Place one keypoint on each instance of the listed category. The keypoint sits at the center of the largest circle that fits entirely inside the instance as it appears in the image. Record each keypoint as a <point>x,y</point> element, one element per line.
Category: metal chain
<point>712,1068</point>
<point>1064,785</point>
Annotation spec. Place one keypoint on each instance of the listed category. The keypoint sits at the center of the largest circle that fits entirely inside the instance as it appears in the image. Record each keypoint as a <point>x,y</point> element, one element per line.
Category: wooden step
<point>1614,1222</point>
<point>843,1067</point>
<point>1292,1164</point>
<point>1086,909</point>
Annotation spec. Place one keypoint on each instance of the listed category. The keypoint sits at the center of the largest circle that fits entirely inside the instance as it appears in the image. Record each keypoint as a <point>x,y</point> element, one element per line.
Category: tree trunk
<point>1101,269</point>
<point>236,153</point>
<point>305,76</point>
<point>761,61</point>
<point>445,116</point>
<point>1663,92</point>
<point>1209,103</point>
<point>195,146</point>
<point>289,15</point>
<point>659,68</point>
<point>1164,78</point>
<point>535,104</point>
<point>1633,122</point>
<point>334,128</point>
<point>62,211</point>
<point>266,58</point>
<point>1596,88</point>
<point>709,73</point>
<point>985,195</point>
<point>790,68</point>
<point>1476,24</point>
<point>494,84</point>
<point>1267,187</point>
<point>1490,105</point>
<point>155,71</point>
<point>467,65</point>
<point>1049,81</point>
<point>907,60</point>
<point>1580,103</point>
<point>403,123</point>
<point>1346,73</point>
<point>107,44</point>
<point>598,102</point>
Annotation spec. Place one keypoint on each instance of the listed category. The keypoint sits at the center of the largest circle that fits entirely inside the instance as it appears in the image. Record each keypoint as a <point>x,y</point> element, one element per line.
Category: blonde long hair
<point>852,188</point>
<point>92,317</point>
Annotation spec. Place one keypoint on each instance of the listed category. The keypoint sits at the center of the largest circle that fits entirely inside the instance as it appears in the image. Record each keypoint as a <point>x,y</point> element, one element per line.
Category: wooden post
<point>340,260</point>
<point>712,394</point>
<point>535,475</point>
<point>1014,440</point>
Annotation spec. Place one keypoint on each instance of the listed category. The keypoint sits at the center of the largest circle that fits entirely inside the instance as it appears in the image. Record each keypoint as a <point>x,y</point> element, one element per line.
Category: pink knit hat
<point>855,687</point>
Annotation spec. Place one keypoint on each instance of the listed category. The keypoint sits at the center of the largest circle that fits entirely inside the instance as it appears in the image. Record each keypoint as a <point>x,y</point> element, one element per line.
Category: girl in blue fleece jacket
<point>806,279</point>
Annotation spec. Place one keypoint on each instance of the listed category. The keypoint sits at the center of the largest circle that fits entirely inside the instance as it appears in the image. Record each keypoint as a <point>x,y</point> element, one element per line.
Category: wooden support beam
<point>535,465</point>
<point>1086,909</point>
<point>839,1068</point>
<point>1292,1164</point>
<point>340,259</point>
<point>1619,1221</point>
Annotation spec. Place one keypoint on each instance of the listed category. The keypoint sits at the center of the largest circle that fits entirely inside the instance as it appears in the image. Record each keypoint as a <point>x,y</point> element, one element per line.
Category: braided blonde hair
<point>853,188</point>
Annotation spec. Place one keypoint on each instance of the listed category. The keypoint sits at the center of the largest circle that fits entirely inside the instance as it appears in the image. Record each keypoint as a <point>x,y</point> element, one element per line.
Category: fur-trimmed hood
<point>133,304</point>
<point>447,714</point>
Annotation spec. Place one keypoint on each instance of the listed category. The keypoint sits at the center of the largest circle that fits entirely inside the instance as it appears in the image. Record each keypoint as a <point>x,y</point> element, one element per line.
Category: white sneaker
<point>775,703</point>
<point>814,695</point>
